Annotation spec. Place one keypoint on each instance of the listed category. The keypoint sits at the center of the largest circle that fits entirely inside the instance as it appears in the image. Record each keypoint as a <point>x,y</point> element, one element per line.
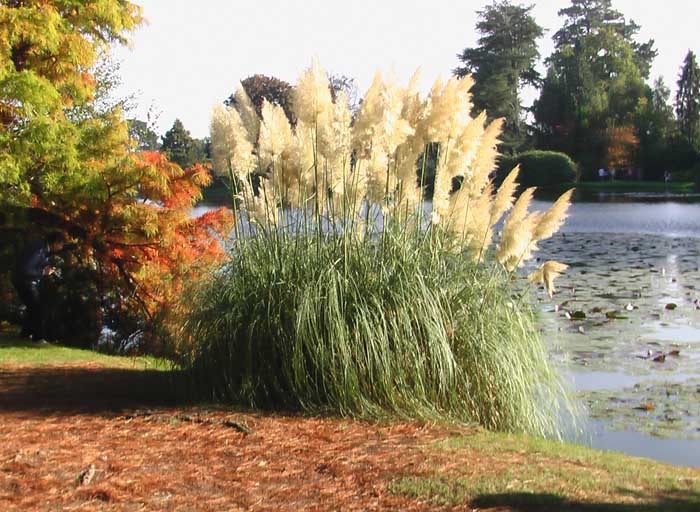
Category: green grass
<point>527,473</point>
<point>392,324</point>
<point>18,351</point>
<point>633,186</point>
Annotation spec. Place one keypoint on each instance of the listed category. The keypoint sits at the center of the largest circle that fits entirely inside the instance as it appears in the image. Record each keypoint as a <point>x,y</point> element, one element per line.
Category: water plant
<point>345,291</point>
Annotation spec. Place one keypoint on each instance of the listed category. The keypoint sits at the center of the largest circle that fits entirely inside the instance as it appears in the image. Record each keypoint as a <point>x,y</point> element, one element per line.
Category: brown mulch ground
<point>86,438</point>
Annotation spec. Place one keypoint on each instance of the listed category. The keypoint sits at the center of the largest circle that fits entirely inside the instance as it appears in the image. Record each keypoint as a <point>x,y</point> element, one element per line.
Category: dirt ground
<point>87,438</point>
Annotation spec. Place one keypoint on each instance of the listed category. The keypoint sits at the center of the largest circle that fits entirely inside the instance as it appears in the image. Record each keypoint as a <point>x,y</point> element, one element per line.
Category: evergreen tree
<point>688,101</point>
<point>179,146</point>
<point>588,17</point>
<point>502,63</point>
<point>594,83</point>
<point>655,125</point>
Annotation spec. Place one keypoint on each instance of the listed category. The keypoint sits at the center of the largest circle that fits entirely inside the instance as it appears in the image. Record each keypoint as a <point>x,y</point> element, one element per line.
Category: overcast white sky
<point>192,54</point>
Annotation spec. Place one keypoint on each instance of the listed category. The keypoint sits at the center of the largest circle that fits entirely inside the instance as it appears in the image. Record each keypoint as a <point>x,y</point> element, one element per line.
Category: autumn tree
<point>621,146</point>
<point>688,101</point>
<point>261,87</point>
<point>594,83</point>
<point>502,64</point>
<point>67,164</point>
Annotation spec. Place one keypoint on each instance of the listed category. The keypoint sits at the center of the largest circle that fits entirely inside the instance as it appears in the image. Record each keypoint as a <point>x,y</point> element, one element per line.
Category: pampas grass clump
<point>344,292</point>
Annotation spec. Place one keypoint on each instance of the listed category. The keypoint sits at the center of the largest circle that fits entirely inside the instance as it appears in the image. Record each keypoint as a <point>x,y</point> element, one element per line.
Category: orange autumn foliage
<point>137,234</point>
<point>67,164</point>
<point>157,246</point>
<point>621,144</point>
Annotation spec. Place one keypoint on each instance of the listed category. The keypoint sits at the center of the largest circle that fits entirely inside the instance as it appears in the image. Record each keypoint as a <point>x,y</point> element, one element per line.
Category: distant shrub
<point>538,168</point>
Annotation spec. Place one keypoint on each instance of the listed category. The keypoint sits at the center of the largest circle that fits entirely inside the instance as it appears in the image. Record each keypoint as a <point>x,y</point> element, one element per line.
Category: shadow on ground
<point>90,390</point>
<point>540,502</point>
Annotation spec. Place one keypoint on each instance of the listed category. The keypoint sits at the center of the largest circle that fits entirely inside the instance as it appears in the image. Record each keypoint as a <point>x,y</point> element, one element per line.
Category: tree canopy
<point>594,84</point>
<point>260,87</point>
<point>588,17</point>
<point>502,63</point>
<point>688,101</point>
<point>68,164</point>
<point>179,146</point>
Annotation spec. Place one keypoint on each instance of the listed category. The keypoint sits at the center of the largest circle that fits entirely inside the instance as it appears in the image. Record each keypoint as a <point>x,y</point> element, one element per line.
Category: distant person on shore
<point>602,174</point>
<point>667,176</point>
<point>32,264</point>
<point>612,174</point>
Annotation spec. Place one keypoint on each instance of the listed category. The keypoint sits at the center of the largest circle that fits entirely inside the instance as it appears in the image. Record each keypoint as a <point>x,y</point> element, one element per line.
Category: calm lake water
<point>624,325</point>
<point>633,354</point>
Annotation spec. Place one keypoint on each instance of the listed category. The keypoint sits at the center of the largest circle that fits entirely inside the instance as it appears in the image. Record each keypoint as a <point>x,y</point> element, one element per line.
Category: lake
<point>625,323</point>
<point>624,326</point>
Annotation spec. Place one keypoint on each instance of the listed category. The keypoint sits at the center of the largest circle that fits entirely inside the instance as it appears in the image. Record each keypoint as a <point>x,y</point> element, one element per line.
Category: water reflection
<point>663,218</point>
<point>592,196</point>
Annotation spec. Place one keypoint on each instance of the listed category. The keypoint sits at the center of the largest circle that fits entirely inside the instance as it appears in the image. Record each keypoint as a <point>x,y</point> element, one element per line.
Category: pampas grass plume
<point>504,197</point>
<point>553,218</point>
<point>546,274</point>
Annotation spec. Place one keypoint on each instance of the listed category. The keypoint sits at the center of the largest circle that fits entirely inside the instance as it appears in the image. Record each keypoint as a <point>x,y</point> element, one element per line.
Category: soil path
<point>87,438</point>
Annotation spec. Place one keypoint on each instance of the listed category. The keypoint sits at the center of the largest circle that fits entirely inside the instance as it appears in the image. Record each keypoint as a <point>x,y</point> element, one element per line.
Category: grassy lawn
<point>17,351</point>
<point>502,470</point>
<point>634,186</point>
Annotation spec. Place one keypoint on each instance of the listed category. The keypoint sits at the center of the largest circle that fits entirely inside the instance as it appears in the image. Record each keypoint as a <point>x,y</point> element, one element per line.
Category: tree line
<point>595,102</point>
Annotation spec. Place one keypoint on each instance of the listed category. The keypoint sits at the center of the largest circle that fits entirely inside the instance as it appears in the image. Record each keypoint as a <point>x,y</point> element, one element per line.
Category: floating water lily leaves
<point>576,315</point>
<point>671,306</point>
<point>622,351</point>
<point>662,409</point>
<point>614,315</point>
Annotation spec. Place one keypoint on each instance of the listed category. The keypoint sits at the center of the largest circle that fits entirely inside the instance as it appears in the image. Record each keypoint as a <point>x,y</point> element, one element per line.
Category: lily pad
<point>625,320</point>
<point>614,315</point>
<point>662,409</point>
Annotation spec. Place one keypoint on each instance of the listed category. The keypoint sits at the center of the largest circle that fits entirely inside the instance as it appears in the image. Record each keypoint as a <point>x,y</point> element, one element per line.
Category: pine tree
<point>688,101</point>
<point>502,63</point>
<point>181,148</point>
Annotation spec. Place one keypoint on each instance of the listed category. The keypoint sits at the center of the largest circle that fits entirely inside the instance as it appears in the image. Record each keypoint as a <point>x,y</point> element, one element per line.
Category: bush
<point>342,293</point>
<point>362,328</point>
<point>539,168</point>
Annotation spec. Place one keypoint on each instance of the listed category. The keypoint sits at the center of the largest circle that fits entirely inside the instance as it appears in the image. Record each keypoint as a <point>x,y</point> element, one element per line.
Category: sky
<point>192,54</point>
